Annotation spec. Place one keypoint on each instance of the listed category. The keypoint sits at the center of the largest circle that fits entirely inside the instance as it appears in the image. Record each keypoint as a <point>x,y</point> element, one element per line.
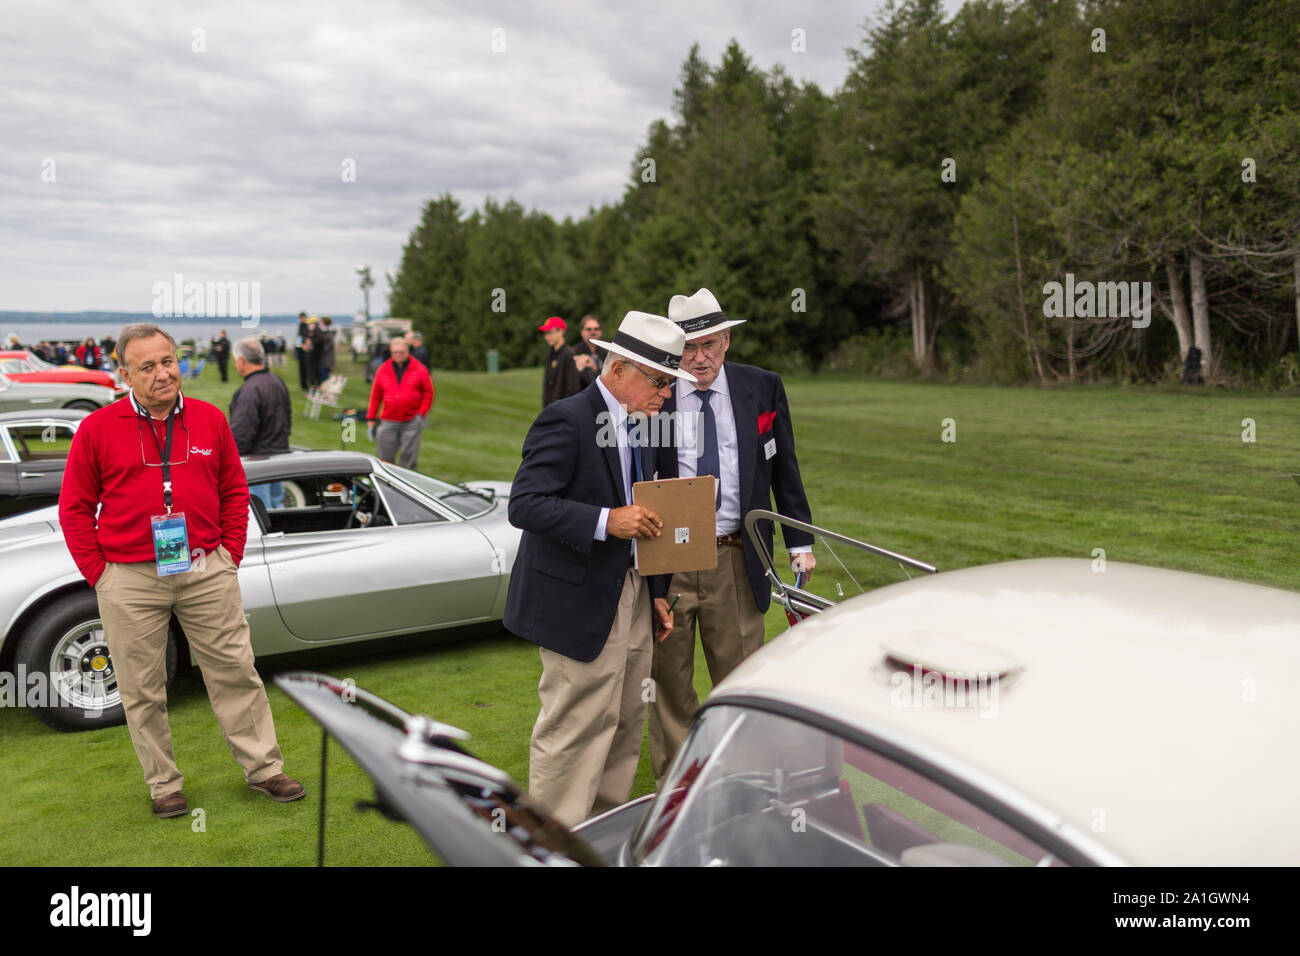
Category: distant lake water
<point>31,332</point>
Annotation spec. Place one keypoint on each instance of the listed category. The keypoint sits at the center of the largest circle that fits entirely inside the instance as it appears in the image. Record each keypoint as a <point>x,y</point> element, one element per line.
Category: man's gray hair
<point>251,351</point>
<point>610,359</point>
<point>139,330</point>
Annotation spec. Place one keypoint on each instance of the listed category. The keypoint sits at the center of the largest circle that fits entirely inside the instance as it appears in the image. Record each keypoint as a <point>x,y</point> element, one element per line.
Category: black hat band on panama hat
<point>649,352</point>
<point>690,326</point>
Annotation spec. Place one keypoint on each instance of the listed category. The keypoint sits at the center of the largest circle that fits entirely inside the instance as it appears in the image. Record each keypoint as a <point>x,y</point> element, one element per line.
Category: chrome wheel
<point>81,670</point>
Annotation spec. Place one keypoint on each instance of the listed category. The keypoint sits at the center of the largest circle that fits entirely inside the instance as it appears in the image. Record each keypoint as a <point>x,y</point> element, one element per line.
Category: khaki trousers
<point>136,604</point>
<point>587,739</point>
<point>721,602</point>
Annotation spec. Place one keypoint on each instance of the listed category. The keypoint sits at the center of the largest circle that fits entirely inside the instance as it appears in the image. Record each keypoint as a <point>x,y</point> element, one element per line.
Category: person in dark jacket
<point>324,345</point>
<point>220,352</point>
<point>302,345</point>
<point>743,435</point>
<point>572,499</point>
<point>561,377</point>
<point>261,414</point>
<point>419,351</point>
<point>585,355</point>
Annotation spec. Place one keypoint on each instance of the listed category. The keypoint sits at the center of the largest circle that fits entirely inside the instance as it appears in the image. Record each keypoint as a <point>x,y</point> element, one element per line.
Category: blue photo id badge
<point>171,543</point>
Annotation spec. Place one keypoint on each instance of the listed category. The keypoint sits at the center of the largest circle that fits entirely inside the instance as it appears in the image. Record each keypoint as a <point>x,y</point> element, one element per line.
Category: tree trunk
<point>1182,317</point>
<point>911,312</point>
<point>1201,313</point>
<point>1297,298</point>
<point>1069,349</point>
<point>1031,352</point>
<point>917,304</point>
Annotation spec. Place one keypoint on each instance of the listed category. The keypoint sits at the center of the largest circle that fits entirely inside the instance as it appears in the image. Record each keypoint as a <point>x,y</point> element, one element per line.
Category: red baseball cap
<point>554,322</point>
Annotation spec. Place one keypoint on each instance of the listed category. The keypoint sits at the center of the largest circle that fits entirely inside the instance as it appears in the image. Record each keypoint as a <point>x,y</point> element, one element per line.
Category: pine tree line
<point>964,165</point>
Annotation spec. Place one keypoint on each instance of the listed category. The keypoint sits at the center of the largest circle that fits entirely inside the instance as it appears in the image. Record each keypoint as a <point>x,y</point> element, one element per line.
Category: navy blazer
<point>757,392</point>
<point>565,585</point>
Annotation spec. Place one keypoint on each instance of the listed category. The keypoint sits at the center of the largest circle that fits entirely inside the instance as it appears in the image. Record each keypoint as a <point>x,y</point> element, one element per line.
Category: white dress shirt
<point>692,420</point>
<point>618,422</point>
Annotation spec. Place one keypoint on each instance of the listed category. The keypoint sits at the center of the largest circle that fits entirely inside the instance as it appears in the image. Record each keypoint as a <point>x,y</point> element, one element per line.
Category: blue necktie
<point>634,470</point>
<point>707,463</point>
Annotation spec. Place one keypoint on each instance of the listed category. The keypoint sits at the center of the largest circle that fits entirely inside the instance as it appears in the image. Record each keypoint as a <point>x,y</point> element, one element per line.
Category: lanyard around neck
<point>165,453</point>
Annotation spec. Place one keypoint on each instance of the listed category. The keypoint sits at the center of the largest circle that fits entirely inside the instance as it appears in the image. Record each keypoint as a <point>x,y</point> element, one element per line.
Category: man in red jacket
<point>164,473</point>
<point>404,391</point>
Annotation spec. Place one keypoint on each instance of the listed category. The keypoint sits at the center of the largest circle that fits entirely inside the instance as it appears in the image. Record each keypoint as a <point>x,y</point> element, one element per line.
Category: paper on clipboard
<point>688,509</point>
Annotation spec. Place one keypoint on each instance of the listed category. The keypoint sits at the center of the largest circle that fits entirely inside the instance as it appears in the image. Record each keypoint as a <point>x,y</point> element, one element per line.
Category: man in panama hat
<point>572,498</point>
<point>743,435</point>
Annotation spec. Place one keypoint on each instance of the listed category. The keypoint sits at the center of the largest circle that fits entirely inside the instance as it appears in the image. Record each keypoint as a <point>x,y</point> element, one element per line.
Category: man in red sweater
<point>404,391</point>
<point>154,509</point>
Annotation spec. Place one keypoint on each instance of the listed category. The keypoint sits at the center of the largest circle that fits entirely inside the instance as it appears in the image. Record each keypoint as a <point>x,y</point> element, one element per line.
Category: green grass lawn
<point>1153,476</point>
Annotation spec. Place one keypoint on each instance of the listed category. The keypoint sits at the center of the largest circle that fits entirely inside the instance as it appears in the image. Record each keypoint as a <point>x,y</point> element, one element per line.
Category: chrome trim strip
<point>809,602</point>
<point>618,809</point>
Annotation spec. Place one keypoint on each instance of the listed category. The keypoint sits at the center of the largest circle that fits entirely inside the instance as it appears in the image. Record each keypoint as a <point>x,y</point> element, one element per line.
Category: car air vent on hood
<point>956,659</point>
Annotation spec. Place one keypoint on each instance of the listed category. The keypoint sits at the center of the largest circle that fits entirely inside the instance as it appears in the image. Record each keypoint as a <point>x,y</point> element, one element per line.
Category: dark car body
<point>33,453</point>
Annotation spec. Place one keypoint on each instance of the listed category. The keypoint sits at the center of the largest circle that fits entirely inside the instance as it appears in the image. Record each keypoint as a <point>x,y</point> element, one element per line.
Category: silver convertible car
<point>1050,712</point>
<point>353,550</point>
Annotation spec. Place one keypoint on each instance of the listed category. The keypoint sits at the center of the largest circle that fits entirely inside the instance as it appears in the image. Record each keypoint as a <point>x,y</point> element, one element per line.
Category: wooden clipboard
<point>689,541</point>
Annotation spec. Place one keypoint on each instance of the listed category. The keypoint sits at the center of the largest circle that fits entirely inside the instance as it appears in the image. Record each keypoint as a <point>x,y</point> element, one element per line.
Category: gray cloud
<point>225,164</point>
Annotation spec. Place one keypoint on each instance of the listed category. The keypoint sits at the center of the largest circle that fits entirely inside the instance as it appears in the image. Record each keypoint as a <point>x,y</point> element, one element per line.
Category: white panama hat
<point>650,340</point>
<point>699,315</point>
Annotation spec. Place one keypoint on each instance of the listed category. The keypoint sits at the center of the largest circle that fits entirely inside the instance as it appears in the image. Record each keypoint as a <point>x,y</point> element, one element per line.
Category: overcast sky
<point>227,162</point>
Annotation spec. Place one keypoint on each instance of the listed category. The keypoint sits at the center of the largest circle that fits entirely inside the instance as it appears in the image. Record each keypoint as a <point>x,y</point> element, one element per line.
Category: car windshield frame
<point>440,494</point>
<point>1060,850</point>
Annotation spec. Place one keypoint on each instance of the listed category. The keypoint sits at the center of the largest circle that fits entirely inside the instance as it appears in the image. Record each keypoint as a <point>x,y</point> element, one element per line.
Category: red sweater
<point>107,464</point>
<point>403,400</point>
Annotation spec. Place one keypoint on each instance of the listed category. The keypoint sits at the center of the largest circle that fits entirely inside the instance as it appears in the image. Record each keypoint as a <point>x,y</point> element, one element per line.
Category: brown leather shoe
<point>170,805</point>
<point>280,788</point>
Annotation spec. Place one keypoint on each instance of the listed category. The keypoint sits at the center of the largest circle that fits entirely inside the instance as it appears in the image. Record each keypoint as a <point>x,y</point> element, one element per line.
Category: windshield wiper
<point>481,492</point>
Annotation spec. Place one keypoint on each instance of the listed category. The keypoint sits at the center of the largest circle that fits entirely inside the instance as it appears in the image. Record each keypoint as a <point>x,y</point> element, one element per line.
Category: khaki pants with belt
<point>587,739</point>
<point>721,602</point>
<point>136,604</point>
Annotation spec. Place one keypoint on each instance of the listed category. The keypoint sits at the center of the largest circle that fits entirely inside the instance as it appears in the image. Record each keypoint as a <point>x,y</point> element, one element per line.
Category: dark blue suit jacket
<point>565,586</point>
<point>757,392</point>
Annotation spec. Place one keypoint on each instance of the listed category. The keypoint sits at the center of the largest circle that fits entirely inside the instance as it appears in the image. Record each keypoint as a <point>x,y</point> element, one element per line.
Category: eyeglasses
<point>151,449</point>
<point>658,383</point>
<point>712,349</point>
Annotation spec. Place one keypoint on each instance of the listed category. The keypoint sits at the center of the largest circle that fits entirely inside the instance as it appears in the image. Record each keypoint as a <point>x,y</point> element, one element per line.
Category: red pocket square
<point>765,421</point>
